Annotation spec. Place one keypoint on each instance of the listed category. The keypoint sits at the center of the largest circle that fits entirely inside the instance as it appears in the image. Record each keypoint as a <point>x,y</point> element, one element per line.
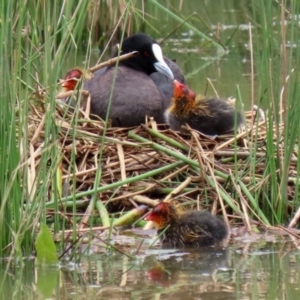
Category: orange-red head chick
<point>183,100</point>
<point>162,215</point>
<point>181,90</point>
<point>186,229</point>
<point>210,116</point>
<point>71,79</point>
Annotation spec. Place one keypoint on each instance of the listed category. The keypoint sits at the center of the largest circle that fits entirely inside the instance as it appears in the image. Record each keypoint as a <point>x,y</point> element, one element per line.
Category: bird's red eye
<point>145,53</point>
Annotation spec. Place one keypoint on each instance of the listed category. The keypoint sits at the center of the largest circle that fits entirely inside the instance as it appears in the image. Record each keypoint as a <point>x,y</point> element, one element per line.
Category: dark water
<point>245,270</point>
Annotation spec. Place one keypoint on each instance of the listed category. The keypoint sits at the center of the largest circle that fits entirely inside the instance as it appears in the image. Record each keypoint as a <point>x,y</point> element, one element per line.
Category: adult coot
<point>134,94</point>
<point>186,229</point>
<point>209,116</point>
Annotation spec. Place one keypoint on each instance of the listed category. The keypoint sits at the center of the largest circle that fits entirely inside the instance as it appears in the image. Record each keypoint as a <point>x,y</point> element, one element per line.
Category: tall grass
<point>11,190</point>
<point>276,32</point>
<point>37,37</point>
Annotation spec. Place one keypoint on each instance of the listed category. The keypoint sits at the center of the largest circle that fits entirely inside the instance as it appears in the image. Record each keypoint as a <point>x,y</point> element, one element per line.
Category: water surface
<point>244,270</point>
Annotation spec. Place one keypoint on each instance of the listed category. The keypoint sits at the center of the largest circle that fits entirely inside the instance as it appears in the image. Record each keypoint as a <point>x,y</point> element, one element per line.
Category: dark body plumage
<point>209,116</point>
<point>188,229</point>
<point>165,85</point>
<point>139,90</point>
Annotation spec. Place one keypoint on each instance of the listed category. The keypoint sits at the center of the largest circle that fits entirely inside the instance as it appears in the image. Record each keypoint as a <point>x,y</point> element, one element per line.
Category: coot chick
<point>69,83</point>
<point>135,94</point>
<point>210,116</point>
<point>71,79</point>
<point>186,229</point>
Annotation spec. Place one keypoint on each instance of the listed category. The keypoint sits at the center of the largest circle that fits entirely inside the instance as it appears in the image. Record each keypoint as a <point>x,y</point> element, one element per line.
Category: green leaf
<point>45,247</point>
<point>47,281</point>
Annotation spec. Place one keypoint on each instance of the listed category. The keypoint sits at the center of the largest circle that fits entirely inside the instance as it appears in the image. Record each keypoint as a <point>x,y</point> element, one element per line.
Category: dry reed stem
<point>122,163</point>
<point>178,189</point>
<point>199,150</point>
<point>295,219</point>
<point>219,196</point>
<point>112,61</point>
<point>145,200</point>
<point>246,217</point>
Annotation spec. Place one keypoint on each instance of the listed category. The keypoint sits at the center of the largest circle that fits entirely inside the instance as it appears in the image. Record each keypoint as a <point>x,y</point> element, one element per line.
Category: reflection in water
<point>246,271</point>
<point>257,270</point>
<point>196,266</point>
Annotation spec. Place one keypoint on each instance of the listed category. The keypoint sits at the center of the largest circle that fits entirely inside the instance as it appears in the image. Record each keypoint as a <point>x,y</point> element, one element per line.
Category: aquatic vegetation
<point>57,165</point>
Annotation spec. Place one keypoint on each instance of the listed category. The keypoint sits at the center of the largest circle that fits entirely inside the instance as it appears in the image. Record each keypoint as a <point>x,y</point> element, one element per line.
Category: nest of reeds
<point>127,166</point>
<point>154,161</point>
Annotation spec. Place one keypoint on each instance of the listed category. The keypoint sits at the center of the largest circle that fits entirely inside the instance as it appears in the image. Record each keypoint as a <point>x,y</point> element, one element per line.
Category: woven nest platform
<point>151,162</point>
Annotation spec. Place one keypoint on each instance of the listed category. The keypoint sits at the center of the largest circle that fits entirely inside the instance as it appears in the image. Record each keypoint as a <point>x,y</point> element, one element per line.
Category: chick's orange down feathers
<point>71,79</point>
<point>209,116</point>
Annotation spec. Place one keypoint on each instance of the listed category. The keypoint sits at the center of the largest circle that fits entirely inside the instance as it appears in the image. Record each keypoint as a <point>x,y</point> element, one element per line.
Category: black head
<point>149,58</point>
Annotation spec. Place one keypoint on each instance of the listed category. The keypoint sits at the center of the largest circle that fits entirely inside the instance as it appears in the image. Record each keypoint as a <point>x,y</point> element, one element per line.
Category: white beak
<point>161,65</point>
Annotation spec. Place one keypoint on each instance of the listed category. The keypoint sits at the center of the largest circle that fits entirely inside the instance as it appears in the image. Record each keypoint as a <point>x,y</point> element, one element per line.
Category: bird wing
<point>202,109</point>
<point>195,233</point>
<point>212,107</point>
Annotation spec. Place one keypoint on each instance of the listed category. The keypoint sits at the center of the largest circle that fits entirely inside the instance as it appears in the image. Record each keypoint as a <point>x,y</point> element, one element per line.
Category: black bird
<point>143,85</point>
